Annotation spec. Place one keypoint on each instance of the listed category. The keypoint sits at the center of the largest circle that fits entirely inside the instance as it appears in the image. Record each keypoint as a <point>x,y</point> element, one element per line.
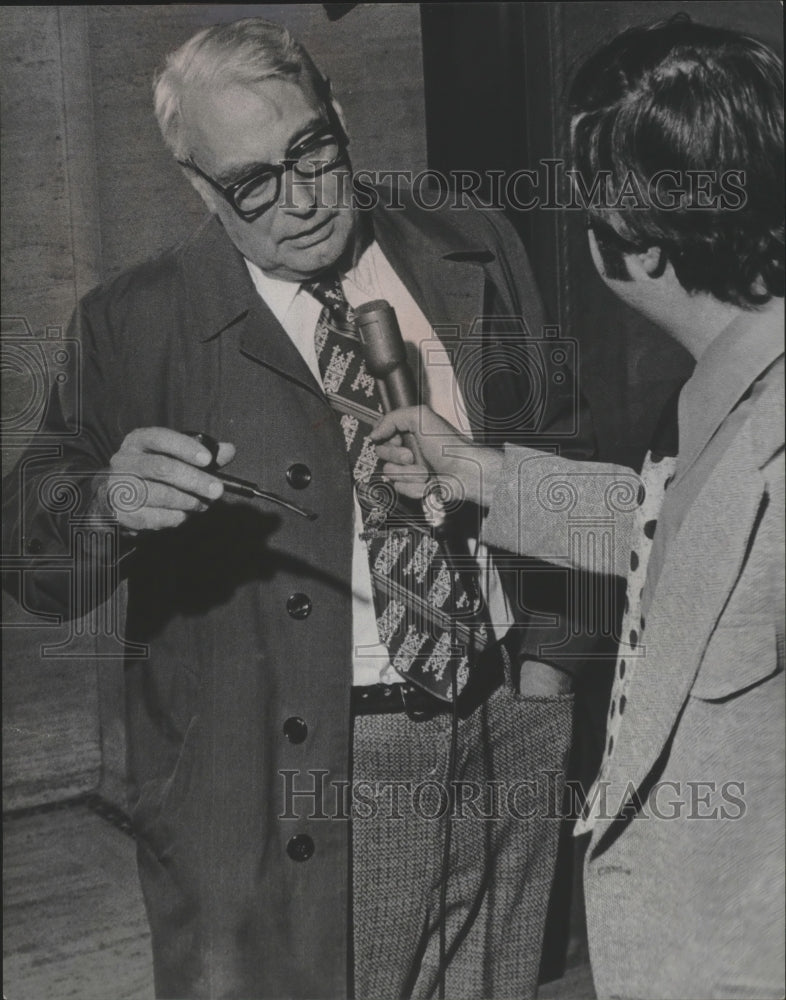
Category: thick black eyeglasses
<point>258,190</point>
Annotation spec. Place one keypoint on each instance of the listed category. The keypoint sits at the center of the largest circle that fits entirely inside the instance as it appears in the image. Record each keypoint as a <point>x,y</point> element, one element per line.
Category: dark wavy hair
<point>675,97</point>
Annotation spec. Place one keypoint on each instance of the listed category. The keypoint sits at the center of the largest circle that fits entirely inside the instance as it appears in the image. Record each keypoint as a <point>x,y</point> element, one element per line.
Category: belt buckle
<point>408,693</point>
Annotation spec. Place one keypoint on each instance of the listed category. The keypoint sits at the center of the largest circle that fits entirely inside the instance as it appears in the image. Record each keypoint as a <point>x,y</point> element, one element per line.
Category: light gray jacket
<point>684,874</point>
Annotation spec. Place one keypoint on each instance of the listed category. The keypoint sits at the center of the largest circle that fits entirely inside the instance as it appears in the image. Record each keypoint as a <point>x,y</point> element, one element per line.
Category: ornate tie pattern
<point>425,615</point>
<point>656,474</point>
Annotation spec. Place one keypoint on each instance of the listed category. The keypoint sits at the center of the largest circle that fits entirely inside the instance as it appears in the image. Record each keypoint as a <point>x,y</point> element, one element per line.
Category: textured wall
<point>38,274</point>
<point>51,738</point>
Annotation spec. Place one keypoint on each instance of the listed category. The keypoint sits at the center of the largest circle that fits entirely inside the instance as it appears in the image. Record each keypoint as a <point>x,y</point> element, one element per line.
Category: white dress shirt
<point>298,311</point>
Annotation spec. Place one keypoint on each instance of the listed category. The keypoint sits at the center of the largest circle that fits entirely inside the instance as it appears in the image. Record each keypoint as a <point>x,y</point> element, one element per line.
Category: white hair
<point>243,52</point>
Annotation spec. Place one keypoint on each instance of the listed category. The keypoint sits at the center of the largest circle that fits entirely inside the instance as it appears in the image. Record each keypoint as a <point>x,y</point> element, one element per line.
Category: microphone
<point>386,360</point>
<point>385,354</point>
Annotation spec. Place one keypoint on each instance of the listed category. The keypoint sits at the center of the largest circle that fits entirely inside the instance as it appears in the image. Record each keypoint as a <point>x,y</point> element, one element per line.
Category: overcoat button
<point>300,847</point>
<point>298,476</point>
<point>299,606</point>
<point>295,729</point>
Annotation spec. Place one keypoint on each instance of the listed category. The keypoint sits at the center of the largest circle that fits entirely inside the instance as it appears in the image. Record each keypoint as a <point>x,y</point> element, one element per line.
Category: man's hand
<point>167,465</point>
<point>462,466</point>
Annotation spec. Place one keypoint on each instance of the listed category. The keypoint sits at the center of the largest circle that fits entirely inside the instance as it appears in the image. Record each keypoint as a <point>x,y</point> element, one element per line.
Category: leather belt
<point>420,705</point>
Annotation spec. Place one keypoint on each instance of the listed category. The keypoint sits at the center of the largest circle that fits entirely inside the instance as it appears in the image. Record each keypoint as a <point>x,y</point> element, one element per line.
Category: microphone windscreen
<point>383,345</point>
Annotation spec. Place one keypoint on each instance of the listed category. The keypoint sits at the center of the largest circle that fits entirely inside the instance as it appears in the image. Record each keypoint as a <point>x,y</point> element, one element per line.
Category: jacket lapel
<point>697,577</point>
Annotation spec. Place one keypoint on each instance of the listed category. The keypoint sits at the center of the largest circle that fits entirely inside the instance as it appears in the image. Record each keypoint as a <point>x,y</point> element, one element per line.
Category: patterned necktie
<point>425,615</point>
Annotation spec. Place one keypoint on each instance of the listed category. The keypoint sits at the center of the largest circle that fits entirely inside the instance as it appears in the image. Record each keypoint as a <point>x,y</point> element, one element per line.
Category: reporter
<point>675,907</point>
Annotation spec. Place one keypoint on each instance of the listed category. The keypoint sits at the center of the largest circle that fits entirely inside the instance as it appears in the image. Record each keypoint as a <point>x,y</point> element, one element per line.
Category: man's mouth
<point>315,234</point>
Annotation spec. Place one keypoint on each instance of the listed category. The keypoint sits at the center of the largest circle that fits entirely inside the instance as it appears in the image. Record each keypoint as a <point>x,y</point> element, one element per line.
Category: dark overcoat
<point>185,342</point>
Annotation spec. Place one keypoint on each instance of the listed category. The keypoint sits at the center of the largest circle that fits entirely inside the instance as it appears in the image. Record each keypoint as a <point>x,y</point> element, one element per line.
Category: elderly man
<point>685,868</point>
<point>288,687</point>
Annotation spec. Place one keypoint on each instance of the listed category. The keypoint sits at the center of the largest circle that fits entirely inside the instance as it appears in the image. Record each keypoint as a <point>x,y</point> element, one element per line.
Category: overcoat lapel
<point>221,300</point>
<point>224,295</point>
<point>448,281</point>
<point>263,339</point>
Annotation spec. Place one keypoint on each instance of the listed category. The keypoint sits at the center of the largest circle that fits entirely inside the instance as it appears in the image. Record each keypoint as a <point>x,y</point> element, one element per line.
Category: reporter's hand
<point>173,484</point>
<point>446,452</point>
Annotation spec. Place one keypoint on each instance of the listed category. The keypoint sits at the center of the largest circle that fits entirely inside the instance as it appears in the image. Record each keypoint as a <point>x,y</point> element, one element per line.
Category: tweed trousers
<point>504,810</point>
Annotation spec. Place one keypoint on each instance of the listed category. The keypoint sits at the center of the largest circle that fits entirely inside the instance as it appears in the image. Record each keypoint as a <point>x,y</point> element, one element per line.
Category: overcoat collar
<point>443,274</point>
<point>217,284</point>
<point>221,294</point>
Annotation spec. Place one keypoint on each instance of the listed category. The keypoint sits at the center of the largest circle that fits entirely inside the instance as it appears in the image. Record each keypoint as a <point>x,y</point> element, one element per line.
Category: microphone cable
<point>451,795</point>
<point>451,791</point>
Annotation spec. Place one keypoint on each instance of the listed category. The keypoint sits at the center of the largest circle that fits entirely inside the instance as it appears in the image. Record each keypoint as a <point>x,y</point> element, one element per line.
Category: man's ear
<point>339,111</point>
<point>205,191</point>
<point>651,262</point>
<point>323,90</point>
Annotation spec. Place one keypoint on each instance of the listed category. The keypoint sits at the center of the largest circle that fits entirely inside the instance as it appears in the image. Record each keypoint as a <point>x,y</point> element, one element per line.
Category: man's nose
<point>299,195</point>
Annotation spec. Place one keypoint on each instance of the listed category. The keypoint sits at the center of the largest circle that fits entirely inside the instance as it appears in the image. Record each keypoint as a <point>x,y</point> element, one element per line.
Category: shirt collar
<point>364,274</point>
<point>277,294</point>
<point>724,373</point>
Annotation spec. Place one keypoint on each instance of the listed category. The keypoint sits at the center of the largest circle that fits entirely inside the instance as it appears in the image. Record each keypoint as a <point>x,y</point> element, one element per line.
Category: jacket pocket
<point>737,657</point>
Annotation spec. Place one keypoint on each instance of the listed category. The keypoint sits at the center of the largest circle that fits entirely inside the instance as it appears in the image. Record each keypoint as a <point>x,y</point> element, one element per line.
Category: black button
<point>295,729</point>
<point>298,476</point>
<point>34,546</point>
<point>300,847</point>
<point>299,606</point>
